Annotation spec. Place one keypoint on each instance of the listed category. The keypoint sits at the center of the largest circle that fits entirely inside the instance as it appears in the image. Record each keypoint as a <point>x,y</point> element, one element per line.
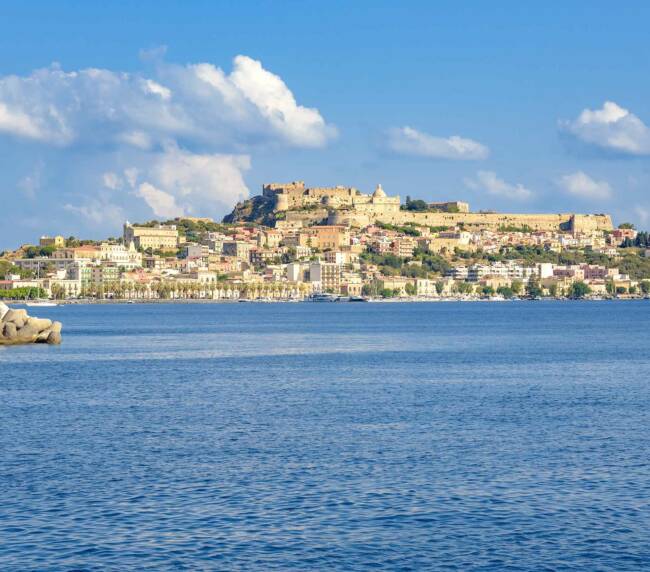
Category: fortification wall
<point>589,223</point>
<point>561,221</point>
<point>492,221</point>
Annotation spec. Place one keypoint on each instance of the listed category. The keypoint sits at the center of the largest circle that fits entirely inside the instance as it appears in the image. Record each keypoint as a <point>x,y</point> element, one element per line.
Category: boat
<point>358,299</point>
<point>41,304</point>
<point>322,298</point>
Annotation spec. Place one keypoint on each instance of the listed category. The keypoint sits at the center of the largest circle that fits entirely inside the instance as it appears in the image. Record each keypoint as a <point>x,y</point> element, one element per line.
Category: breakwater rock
<point>16,327</point>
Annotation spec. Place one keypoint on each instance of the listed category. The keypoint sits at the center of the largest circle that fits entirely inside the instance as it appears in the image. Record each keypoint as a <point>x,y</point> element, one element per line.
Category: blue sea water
<point>450,436</point>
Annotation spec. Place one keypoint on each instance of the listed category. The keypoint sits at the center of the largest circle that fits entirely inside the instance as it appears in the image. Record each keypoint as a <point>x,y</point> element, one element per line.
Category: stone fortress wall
<point>493,221</point>
<point>348,206</point>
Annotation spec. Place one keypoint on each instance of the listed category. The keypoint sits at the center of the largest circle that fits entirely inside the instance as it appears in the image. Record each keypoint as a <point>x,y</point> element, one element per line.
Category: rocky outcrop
<point>16,327</point>
<point>258,209</point>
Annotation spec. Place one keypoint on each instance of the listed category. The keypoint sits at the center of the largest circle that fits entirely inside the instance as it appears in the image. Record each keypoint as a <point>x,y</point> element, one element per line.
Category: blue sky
<point>121,110</point>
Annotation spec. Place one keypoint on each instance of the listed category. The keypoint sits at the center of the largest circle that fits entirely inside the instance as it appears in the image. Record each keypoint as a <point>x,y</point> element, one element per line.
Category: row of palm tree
<point>183,290</point>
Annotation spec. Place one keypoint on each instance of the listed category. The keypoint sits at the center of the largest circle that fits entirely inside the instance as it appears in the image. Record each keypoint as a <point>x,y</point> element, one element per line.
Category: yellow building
<point>330,237</point>
<point>326,275</point>
<point>57,241</point>
<point>159,237</point>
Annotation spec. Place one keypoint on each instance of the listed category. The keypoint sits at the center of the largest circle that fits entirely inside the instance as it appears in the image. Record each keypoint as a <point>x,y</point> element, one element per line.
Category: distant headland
<point>294,242</point>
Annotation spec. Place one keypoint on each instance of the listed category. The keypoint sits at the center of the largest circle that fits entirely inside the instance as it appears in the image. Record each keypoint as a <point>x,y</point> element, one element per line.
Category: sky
<point>149,110</point>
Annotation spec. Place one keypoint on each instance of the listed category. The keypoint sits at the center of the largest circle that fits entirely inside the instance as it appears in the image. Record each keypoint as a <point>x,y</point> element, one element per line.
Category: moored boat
<point>41,304</point>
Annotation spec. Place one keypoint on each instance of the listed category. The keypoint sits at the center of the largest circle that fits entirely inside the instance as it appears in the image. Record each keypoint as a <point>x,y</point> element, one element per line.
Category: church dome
<point>379,193</point>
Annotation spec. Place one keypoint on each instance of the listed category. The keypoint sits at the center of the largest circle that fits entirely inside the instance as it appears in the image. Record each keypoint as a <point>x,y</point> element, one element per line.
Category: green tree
<point>36,251</point>
<point>23,293</point>
<point>416,205</point>
<point>505,291</point>
<point>625,225</point>
<point>579,290</point>
<point>533,288</point>
<point>645,287</point>
<point>410,288</point>
<point>517,287</point>
<point>6,267</point>
<point>464,288</point>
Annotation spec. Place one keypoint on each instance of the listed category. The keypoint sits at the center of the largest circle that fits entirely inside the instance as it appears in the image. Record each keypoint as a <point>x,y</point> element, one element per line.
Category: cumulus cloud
<point>176,140</point>
<point>98,211</point>
<point>112,181</point>
<point>14,120</point>
<point>207,183</point>
<point>612,128</point>
<point>162,204</point>
<point>582,185</point>
<point>175,182</point>
<point>489,182</point>
<point>199,104</point>
<point>409,141</point>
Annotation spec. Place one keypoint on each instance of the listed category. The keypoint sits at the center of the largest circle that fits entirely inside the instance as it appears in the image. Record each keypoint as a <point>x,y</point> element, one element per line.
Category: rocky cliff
<point>257,209</point>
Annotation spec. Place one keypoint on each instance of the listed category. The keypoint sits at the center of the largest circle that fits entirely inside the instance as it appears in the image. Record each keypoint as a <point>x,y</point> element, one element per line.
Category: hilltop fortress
<point>294,204</point>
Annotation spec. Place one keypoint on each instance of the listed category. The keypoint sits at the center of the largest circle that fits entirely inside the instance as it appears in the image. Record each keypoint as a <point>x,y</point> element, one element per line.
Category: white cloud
<point>612,128</point>
<point>201,183</point>
<point>582,185</point>
<point>112,181</point>
<point>300,125</point>
<point>99,212</point>
<point>409,141</point>
<point>162,204</point>
<point>175,140</point>
<point>489,182</point>
<point>131,175</point>
<point>138,139</point>
<point>14,120</point>
<point>199,105</point>
<point>151,86</point>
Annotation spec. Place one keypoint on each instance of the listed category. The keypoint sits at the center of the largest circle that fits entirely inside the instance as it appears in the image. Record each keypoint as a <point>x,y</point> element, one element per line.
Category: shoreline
<point>89,302</point>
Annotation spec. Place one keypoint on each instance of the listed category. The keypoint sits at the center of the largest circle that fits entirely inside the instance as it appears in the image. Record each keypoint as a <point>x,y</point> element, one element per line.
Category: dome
<point>379,193</point>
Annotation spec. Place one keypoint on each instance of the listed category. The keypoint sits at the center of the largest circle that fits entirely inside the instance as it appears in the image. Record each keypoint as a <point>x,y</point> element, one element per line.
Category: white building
<point>296,272</point>
<point>425,287</point>
<point>120,255</point>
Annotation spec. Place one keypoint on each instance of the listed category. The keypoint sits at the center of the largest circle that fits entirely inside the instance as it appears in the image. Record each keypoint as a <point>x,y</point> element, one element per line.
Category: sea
<point>329,436</point>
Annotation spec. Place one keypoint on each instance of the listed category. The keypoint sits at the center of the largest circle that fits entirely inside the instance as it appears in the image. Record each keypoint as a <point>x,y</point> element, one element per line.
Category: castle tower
<point>281,202</point>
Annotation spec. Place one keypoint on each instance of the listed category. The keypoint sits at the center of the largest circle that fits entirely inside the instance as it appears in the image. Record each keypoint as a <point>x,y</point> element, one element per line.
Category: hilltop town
<point>292,242</point>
